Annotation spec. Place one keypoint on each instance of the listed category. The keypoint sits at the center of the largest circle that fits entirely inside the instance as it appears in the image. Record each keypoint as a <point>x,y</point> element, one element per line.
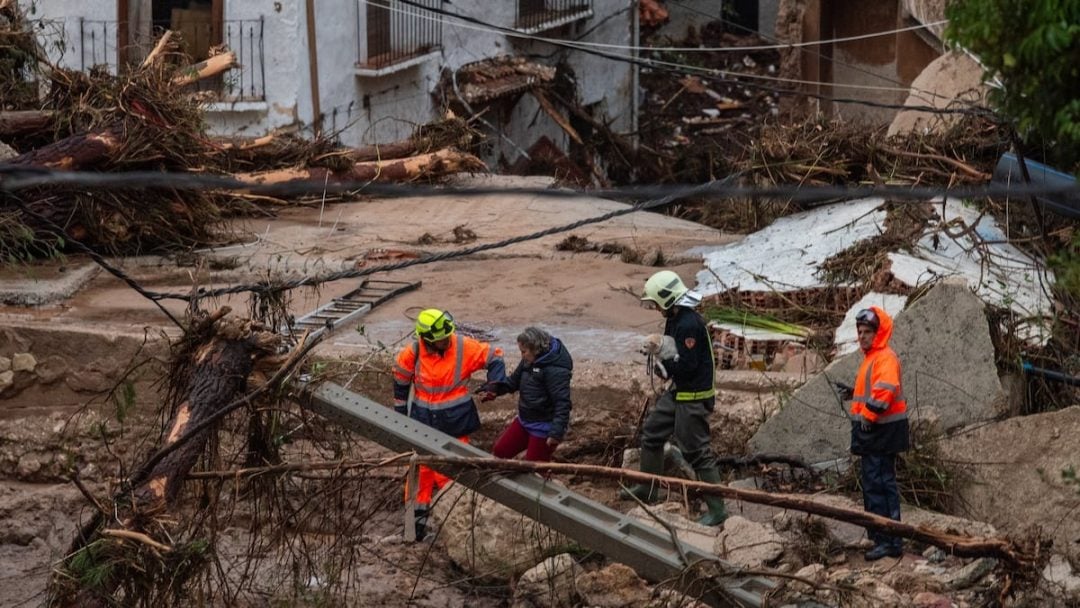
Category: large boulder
<point>1018,459</point>
<point>949,378</point>
<point>952,79</point>
<point>550,584</point>
<point>488,540</point>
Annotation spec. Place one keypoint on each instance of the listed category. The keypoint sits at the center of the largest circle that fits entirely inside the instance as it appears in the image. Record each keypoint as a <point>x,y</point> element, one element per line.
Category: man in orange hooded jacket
<point>879,424</point>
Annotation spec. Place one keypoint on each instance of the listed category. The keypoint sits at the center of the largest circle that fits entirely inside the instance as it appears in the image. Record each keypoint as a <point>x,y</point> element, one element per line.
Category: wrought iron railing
<point>540,15</point>
<point>99,46</point>
<point>391,32</point>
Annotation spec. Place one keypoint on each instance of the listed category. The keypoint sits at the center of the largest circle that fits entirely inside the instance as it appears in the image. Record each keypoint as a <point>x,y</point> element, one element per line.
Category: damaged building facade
<point>372,70</point>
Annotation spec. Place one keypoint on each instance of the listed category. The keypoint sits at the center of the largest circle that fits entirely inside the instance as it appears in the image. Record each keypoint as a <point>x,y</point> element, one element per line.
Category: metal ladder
<point>652,553</point>
<point>347,308</point>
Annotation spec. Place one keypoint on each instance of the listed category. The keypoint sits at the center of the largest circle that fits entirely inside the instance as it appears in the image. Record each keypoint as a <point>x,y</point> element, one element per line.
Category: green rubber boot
<point>652,461</point>
<point>717,511</point>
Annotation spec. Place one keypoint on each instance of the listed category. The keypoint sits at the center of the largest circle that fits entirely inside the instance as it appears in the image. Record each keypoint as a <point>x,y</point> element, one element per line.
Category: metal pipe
<point>1050,374</point>
<point>313,68</point>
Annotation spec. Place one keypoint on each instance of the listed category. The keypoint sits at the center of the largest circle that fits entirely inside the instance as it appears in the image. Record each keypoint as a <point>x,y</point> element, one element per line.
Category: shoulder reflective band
<point>691,396</point>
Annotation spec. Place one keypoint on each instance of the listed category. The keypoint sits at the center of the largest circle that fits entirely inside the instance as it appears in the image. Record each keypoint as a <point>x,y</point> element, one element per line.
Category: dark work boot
<point>717,510</point>
<point>652,461</point>
<point>883,550</point>
<point>420,519</point>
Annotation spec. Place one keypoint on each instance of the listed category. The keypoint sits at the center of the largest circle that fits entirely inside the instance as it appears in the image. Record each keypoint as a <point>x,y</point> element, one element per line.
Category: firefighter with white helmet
<point>683,355</point>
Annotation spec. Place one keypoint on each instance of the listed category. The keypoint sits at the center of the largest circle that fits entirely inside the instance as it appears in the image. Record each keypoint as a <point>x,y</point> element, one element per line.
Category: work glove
<point>844,391</point>
<point>866,426</point>
<point>487,392</point>
<point>660,346</point>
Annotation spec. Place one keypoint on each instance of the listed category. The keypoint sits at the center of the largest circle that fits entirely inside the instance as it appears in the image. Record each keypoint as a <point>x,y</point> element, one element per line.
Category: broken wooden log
<point>163,43</point>
<point>206,69</point>
<point>21,122</point>
<point>957,544</point>
<point>423,166</point>
<point>376,152</point>
<point>217,381</point>
<point>81,151</point>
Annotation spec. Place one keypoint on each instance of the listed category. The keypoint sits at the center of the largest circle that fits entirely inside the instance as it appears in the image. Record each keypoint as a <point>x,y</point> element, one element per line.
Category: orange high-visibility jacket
<point>439,380</point>
<point>878,397</point>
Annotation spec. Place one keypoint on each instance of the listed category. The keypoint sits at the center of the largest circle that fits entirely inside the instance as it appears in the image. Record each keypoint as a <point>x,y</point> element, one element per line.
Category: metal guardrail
<point>652,553</point>
<point>390,32</point>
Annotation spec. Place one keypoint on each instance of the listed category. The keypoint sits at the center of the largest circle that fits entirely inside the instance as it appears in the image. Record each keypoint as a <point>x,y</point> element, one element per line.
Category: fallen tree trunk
<point>956,544</point>
<point>376,152</point>
<point>24,121</point>
<point>435,164</point>
<point>81,151</point>
<point>218,378</point>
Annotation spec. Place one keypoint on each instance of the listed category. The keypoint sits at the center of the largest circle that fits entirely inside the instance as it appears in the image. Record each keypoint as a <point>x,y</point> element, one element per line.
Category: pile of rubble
<point>150,117</point>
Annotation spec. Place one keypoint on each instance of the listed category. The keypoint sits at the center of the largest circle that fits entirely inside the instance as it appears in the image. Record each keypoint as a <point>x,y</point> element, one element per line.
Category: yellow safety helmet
<point>433,325</point>
<point>663,289</point>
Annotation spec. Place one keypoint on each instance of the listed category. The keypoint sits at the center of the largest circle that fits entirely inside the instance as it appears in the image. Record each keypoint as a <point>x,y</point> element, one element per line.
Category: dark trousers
<point>880,493</point>
<point>688,421</point>
<point>515,439</point>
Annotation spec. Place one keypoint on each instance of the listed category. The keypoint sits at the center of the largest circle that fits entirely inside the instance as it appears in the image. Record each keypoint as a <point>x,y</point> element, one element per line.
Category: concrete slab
<point>949,377</point>
<point>45,283</point>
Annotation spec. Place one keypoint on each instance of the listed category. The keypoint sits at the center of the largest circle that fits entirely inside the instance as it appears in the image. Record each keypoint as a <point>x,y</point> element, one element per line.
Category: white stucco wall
<point>61,33</point>
<point>368,109</point>
<point>284,62</point>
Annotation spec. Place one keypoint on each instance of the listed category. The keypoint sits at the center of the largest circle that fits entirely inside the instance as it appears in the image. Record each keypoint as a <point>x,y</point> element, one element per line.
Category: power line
<point>18,178</point>
<point>712,189</point>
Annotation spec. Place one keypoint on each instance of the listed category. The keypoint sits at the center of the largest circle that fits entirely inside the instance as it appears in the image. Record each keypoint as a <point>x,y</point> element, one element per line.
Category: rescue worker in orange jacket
<point>879,424</point>
<point>430,386</point>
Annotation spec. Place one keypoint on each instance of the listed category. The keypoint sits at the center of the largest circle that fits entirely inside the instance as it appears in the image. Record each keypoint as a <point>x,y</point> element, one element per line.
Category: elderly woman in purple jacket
<point>542,381</point>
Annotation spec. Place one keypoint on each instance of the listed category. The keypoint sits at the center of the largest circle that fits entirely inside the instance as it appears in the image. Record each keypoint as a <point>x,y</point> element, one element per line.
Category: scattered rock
<point>910,581</point>
<point>51,369</point>
<point>1059,572</point>
<point>5,364</point>
<point>971,573</point>
<point>29,465</point>
<point>23,362</point>
<point>7,152</point>
<point>613,586</point>
<point>934,555</point>
<point>670,598</point>
<point>943,341</point>
<point>6,380</point>
<point>747,543</point>
<point>489,540</point>
<point>548,584</point>
<point>89,380</point>
<point>690,532</point>
<point>813,572</point>
<point>927,599</point>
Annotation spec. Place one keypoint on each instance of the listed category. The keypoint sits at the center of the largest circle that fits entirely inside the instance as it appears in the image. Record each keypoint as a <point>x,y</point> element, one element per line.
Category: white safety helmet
<point>664,289</point>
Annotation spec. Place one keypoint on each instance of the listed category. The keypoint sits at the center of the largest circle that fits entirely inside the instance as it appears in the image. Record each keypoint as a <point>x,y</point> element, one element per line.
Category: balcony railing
<point>391,32</point>
<point>540,15</point>
<point>98,46</point>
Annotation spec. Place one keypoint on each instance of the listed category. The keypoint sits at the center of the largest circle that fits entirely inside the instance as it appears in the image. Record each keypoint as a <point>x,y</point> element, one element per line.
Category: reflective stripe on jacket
<point>439,381</point>
<point>879,398</point>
